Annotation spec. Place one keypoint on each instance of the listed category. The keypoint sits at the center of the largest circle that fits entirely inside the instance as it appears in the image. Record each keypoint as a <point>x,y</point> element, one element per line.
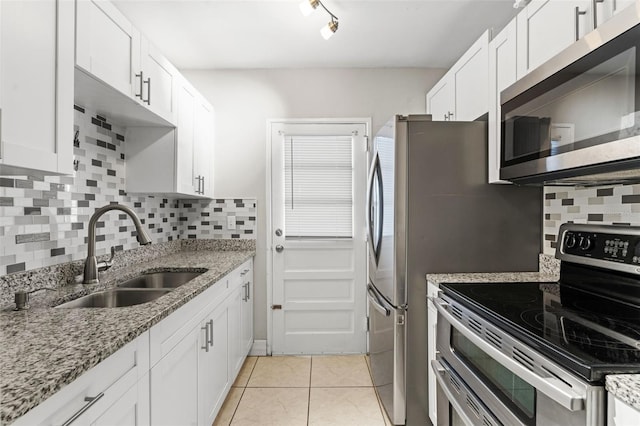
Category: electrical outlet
<point>231,222</point>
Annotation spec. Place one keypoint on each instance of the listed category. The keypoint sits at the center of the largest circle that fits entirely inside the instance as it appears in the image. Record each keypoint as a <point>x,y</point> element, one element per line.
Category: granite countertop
<point>44,348</point>
<point>487,277</point>
<point>626,387</point>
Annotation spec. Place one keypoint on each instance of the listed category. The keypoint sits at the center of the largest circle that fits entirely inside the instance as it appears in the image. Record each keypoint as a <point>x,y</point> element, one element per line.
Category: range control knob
<point>586,243</point>
<point>570,241</point>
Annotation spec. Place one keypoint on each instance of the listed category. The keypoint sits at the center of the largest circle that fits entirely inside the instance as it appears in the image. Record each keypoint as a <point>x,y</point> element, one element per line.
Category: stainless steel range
<point>537,353</point>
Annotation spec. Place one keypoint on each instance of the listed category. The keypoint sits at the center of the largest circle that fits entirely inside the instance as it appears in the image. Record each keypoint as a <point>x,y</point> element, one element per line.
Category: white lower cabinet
<point>196,354</point>
<point>131,409</point>
<point>177,373</point>
<point>620,413</point>
<point>116,391</point>
<point>236,354</point>
<point>213,360</point>
<point>247,307</point>
<point>432,320</point>
<point>174,384</point>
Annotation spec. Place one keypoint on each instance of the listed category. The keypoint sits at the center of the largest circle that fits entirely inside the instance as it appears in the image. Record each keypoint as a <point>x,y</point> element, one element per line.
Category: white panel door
<point>318,248</point>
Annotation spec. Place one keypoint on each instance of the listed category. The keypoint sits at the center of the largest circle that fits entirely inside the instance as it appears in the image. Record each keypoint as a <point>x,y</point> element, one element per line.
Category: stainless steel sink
<point>160,280</point>
<point>116,298</point>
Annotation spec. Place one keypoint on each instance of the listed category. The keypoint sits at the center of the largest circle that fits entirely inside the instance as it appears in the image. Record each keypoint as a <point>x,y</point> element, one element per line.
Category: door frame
<point>269,225</point>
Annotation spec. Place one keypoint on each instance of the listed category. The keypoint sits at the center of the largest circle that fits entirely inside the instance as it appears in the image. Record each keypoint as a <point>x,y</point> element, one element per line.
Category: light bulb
<point>308,6</point>
<point>328,30</point>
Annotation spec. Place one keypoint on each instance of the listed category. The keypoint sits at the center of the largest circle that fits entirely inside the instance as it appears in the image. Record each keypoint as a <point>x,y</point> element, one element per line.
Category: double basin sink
<point>141,289</point>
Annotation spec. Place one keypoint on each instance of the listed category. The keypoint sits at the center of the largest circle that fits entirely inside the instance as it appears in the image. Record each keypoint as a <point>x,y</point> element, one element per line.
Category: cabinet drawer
<point>170,331</point>
<point>240,275</point>
<point>106,382</point>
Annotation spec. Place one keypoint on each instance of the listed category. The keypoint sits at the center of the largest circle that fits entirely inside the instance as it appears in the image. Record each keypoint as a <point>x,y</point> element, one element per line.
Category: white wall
<point>244,99</point>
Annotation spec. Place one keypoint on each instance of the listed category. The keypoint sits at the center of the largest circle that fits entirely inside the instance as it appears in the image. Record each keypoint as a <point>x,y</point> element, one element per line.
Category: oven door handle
<point>550,386</point>
<point>482,411</point>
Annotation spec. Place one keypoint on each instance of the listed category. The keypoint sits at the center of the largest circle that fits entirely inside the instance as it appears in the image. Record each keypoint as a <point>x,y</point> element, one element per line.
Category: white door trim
<point>268,251</point>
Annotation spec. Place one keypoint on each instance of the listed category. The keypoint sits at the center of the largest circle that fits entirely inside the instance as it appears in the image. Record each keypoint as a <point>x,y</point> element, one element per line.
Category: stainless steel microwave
<point>575,120</point>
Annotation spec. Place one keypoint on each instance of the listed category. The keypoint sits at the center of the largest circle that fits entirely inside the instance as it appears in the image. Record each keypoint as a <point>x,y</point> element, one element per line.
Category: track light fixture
<point>308,6</point>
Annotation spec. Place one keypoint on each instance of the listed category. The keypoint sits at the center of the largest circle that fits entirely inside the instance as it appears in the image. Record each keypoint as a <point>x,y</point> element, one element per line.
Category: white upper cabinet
<point>462,93</point>
<point>36,87</point>
<point>186,177</point>
<point>546,27</point>
<point>605,9</point>
<point>176,162</point>
<point>502,74</point>
<point>471,76</point>
<point>111,50</point>
<point>107,45</point>
<point>203,146</point>
<point>157,82</point>
<point>441,99</point>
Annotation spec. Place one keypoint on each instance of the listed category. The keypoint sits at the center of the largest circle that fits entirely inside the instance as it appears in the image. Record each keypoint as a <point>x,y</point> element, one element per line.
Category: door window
<point>318,184</point>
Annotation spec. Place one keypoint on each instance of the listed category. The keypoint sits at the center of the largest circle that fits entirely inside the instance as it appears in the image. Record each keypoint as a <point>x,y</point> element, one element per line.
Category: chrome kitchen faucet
<point>91,266</point>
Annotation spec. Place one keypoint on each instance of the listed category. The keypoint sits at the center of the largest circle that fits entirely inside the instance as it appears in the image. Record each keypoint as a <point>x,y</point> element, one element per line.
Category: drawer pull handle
<point>90,400</point>
<point>206,337</point>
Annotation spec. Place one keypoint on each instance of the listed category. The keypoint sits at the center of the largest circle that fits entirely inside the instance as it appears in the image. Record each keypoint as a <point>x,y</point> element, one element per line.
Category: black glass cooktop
<point>588,334</point>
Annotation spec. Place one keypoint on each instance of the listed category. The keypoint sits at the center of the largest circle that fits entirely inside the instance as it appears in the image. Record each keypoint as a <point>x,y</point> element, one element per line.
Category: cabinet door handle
<point>206,337</point>
<point>210,339</point>
<point>199,179</point>
<point>148,101</point>
<point>594,6</point>
<point>248,291</point>
<point>202,185</point>
<point>578,13</point>
<point>90,400</point>
<point>139,95</point>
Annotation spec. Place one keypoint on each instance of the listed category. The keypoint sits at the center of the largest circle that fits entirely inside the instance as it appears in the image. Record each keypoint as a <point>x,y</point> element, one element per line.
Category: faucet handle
<point>106,264</point>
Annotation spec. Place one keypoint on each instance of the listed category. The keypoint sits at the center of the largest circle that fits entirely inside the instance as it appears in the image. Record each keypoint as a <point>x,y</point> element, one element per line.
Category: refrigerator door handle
<point>376,302</point>
<point>375,178</point>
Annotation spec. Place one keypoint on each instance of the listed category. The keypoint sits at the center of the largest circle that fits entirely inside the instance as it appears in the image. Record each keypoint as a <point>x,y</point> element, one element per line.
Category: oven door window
<point>514,392</point>
<point>591,102</point>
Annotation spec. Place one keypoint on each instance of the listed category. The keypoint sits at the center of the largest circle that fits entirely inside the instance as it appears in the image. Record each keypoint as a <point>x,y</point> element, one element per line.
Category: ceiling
<point>240,34</point>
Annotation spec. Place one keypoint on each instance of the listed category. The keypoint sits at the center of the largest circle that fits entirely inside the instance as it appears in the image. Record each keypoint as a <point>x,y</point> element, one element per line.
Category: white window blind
<point>318,186</point>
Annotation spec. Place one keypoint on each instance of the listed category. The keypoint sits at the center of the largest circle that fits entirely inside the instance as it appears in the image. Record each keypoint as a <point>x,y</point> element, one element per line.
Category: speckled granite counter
<point>625,387</point>
<point>514,277</point>
<point>44,348</point>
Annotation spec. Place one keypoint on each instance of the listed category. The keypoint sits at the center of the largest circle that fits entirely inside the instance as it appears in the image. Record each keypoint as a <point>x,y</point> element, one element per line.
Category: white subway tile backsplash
<point>619,204</point>
<point>43,219</point>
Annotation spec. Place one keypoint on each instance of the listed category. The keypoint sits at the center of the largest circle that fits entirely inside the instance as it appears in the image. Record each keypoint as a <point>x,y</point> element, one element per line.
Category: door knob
<point>279,232</point>
<point>279,248</point>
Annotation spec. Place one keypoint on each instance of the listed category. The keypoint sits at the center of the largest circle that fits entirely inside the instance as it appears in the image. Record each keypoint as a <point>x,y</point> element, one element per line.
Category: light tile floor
<point>303,390</point>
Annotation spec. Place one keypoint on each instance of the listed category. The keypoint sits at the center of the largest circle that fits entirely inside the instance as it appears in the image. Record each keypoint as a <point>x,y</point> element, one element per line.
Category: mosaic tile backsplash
<point>606,205</point>
<point>43,220</point>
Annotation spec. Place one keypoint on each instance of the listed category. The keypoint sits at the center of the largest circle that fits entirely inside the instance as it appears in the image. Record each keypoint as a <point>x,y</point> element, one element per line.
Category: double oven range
<point>538,353</point>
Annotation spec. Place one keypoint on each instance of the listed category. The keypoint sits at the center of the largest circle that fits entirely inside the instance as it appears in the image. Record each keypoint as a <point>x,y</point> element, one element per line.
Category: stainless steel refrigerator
<point>431,210</point>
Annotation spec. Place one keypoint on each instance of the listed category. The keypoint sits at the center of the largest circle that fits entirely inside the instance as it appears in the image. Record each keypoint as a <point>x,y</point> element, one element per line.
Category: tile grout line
<point>244,388</point>
<point>309,392</point>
